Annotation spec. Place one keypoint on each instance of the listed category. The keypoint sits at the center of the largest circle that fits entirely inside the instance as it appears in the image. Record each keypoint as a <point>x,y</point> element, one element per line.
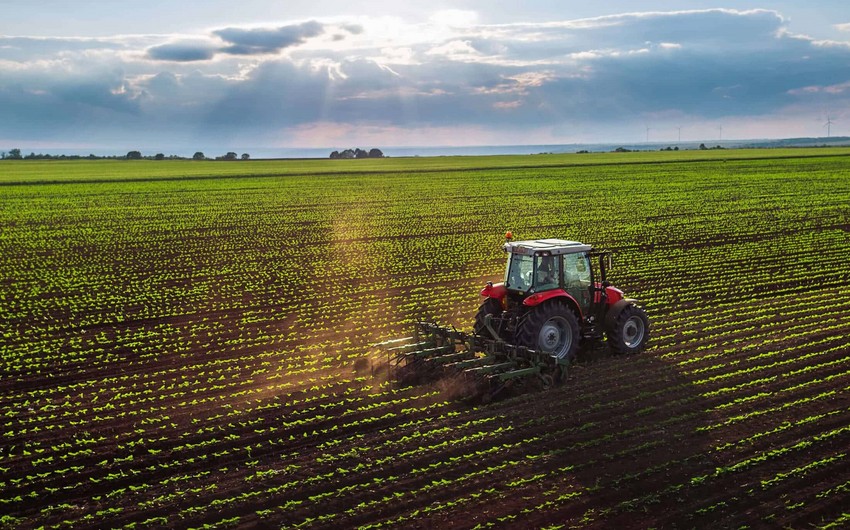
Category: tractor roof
<point>552,247</point>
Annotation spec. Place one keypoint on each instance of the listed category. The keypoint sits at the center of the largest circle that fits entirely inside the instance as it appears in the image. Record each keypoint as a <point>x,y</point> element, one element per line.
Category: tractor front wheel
<point>550,328</point>
<point>629,331</point>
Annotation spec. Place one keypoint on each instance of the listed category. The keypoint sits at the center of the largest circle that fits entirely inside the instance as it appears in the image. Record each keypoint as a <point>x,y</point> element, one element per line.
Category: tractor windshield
<point>519,272</point>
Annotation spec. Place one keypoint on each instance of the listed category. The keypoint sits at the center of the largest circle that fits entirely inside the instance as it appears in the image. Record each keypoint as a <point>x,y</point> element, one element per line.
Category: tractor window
<point>518,275</point>
<point>548,273</point>
<point>576,272</point>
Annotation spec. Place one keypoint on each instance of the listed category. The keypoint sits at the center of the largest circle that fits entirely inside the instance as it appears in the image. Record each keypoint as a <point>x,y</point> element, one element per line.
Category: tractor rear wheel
<point>491,307</point>
<point>629,331</point>
<point>550,328</point>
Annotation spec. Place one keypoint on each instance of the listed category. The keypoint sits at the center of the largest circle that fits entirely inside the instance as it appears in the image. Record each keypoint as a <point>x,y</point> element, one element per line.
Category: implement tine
<point>391,341</point>
<point>412,345</point>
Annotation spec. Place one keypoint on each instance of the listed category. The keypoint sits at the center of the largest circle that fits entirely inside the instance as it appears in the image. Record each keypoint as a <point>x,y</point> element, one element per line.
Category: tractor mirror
<point>609,262</point>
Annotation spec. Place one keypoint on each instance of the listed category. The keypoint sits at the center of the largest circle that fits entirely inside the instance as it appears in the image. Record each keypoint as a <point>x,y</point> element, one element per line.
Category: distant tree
<point>348,153</point>
<point>702,147</point>
<point>14,154</point>
<point>134,155</point>
<point>199,156</point>
<point>246,156</point>
<point>159,156</point>
<point>335,155</point>
<point>375,153</point>
<point>230,156</point>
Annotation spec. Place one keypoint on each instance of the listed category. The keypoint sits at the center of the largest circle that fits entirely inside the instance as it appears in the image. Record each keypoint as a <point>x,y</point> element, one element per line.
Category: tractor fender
<point>497,291</point>
<point>538,298</point>
<point>615,310</point>
<point>612,294</point>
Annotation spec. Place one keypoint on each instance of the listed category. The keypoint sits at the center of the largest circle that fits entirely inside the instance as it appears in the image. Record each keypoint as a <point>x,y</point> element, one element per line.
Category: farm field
<point>187,344</point>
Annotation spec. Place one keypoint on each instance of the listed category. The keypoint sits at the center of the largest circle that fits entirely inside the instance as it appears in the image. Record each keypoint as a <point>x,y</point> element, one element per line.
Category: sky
<point>216,75</point>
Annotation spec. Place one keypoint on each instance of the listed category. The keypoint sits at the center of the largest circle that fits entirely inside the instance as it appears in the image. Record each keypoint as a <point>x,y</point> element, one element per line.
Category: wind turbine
<point>647,133</point>
<point>828,125</point>
<point>680,133</point>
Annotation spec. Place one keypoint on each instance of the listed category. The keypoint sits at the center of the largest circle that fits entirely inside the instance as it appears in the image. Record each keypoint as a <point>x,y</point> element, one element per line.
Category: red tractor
<point>555,295</point>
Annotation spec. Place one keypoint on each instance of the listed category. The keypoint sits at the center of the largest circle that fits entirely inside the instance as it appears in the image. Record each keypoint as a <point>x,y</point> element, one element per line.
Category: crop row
<point>196,352</point>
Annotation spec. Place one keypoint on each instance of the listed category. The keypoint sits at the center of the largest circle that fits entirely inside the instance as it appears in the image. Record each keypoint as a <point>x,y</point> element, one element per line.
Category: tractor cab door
<point>547,271</point>
<point>578,279</point>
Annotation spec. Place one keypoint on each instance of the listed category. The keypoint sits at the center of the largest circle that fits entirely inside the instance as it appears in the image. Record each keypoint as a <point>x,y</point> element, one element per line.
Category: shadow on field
<point>621,429</point>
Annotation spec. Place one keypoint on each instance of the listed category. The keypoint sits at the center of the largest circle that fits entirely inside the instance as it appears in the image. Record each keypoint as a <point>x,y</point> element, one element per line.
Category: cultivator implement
<point>485,367</point>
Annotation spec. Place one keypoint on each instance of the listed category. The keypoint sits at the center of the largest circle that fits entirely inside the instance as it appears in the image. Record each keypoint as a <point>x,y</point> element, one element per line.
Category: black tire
<point>628,332</point>
<point>552,328</point>
<point>492,307</point>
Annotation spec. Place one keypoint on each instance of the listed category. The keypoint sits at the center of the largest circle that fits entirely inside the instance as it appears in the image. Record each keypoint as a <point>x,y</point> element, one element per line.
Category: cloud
<point>457,50</point>
<point>40,50</point>
<point>457,18</point>
<point>530,80</point>
<point>354,29</point>
<point>265,41</point>
<point>239,41</point>
<point>812,90</point>
<point>186,51</point>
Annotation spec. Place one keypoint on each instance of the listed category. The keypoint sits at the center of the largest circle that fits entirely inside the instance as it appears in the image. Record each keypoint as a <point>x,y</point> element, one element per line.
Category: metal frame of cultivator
<point>486,366</point>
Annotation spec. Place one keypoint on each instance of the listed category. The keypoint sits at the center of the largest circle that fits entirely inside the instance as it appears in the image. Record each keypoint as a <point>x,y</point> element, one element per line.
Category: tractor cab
<point>542,265</point>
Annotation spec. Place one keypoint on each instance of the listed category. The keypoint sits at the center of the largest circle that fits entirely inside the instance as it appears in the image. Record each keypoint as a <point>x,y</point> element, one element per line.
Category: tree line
<point>357,153</point>
<point>15,154</point>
